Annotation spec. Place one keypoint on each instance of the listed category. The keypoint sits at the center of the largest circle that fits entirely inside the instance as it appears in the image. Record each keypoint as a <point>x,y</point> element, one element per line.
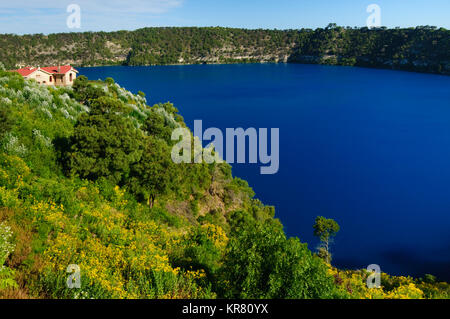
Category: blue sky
<point>49,16</point>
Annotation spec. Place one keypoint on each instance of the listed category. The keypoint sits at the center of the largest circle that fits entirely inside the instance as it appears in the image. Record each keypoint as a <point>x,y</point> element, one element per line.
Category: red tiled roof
<point>25,71</point>
<point>50,69</point>
<point>54,69</point>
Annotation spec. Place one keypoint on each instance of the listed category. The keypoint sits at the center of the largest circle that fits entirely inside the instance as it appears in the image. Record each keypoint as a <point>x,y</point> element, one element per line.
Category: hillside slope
<point>86,183</point>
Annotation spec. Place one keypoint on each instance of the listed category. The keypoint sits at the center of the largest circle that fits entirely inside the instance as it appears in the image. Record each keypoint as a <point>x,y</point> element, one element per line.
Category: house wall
<point>41,77</point>
<point>66,79</point>
<point>44,78</point>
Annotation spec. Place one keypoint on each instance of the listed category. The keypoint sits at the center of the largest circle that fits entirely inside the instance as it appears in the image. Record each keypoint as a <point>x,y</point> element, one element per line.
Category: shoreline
<point>285,63</point>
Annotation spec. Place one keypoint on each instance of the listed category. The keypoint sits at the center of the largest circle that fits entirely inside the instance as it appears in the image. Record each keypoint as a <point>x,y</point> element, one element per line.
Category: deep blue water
<point>369,148</point>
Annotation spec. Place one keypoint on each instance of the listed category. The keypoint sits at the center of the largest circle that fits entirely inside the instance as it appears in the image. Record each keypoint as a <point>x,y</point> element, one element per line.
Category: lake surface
<point>369,148</point>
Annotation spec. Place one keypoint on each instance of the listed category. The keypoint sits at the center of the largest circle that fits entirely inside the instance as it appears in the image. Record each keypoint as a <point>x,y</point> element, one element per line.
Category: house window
<point>70,77</point>
<point>50,79</point>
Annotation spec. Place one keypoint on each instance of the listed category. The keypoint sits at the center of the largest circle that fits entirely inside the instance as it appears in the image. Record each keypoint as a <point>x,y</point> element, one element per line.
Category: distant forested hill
<point>423,49</point>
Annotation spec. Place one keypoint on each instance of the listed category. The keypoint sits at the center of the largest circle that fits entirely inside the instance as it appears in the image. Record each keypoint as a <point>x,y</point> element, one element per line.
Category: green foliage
<point>5,120</point>
<point>6,248</point>
<point>325,229</point>
<point>163,216</point>
<point>109,81</point>
<point>85,92</point>
<point>202,250</point>
<point>261,263</point>
<point>105,106</point>
<point>214,217</point>
<point>104,144</point>
<point>152,174</point>
<point>159,126</point>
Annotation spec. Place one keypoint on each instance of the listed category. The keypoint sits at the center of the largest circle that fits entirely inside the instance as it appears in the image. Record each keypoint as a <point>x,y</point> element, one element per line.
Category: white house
<point>51,75</point>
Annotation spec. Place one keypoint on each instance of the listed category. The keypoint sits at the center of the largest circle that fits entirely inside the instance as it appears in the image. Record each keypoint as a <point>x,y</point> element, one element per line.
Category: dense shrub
<point>262,263</point>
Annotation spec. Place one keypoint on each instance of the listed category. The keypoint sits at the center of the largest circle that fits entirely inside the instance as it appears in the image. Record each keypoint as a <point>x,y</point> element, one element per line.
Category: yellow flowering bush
<point>13,171</point>
<point>354,283</point>
<point>118,257</point>
<point>409,291</point>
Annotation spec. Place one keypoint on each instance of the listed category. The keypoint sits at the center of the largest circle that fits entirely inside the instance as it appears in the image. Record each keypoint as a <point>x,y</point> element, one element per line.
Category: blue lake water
<point>369,148</point>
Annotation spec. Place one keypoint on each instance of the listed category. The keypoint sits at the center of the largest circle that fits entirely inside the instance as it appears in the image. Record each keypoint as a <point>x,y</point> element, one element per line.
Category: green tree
<point>109,81</point>
<point>326,229</point>
<point>154,173</point>
<point>106,105</point>
<point>104,143</point>
<point>85,92</point>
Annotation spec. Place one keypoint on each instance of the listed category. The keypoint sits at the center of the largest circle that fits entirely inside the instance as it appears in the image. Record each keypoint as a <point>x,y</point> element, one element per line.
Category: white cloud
<point>91,6</point>
<point>132,6</point>
<point>48,16</point>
